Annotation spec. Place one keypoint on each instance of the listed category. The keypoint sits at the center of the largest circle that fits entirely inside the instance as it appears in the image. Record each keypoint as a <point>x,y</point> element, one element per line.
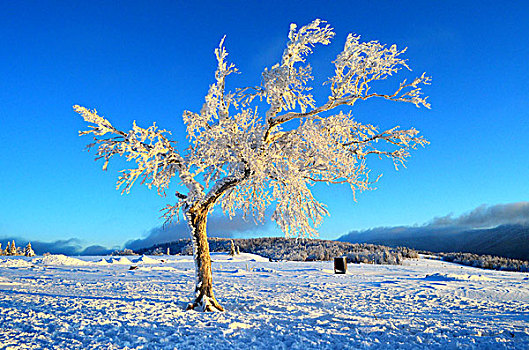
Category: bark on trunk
<point>204,298</point>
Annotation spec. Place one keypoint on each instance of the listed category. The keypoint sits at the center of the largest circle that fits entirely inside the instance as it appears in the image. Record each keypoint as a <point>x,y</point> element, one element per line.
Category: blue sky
<point>150,61</point>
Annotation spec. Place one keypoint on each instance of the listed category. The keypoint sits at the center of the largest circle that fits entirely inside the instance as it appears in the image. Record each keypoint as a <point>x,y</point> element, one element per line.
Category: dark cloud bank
<point>218,226</point>
<point>496,230</point>
<point>72,246</point>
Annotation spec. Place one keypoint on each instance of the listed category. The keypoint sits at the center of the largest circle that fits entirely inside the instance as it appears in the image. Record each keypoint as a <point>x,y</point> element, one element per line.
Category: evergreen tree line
<point>11,249</point>
<point>487,261</point>
<point>279,248</point>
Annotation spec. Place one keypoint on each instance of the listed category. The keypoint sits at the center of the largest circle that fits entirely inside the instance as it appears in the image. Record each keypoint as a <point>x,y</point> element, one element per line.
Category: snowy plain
<point>59,302</point>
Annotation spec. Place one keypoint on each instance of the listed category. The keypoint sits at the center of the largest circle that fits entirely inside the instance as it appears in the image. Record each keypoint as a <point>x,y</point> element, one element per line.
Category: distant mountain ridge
<point>510,241</point>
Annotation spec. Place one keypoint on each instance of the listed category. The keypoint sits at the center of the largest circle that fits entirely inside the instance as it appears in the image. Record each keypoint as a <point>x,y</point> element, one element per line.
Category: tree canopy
<point>247,161</point>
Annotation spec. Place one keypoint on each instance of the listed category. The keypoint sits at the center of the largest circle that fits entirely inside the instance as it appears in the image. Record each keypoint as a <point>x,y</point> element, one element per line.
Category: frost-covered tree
<point>245,161</point>
<point>28,251</point>
<point>13,248</point>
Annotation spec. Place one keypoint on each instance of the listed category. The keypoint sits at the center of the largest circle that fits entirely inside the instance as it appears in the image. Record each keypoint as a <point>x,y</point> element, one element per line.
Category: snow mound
<point>239,325</point>
<point>101,262</point>
<point>14,263</point>
<point>235,271</point>
<point>173,259</point>
<point>119,261</point>
<point>5,282</point>
<point>146,260</point>
<point>61,260</point>
<point>156,268</point>
<point>225,257</point>
<point>455,277</point>
<point>263,269</point>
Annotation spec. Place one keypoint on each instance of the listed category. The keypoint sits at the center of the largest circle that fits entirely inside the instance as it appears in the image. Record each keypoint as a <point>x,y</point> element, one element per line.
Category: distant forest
<point>279,248</point>
<point>288,249</point>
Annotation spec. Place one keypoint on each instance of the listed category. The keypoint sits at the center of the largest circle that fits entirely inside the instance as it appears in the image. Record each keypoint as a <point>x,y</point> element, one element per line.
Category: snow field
<point>60,303</point>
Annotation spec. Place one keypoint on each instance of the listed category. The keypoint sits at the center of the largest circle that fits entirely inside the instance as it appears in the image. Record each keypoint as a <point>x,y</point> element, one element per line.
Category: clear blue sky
<point>150,60</point>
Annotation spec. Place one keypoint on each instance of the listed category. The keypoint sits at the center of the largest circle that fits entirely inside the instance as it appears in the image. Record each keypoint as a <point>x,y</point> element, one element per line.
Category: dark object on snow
<point>340,265</point>
<point>133,267</point>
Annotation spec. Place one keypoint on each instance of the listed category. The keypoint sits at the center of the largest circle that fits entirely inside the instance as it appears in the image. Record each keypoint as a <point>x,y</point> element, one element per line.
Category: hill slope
<point>510,241</point>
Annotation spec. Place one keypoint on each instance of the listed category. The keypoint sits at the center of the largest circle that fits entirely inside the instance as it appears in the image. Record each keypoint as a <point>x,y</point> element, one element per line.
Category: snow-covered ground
<point>59,302</point>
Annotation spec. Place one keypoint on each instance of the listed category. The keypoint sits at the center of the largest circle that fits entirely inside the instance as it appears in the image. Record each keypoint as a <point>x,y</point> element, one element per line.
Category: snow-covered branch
<point>284,85</point>
<point>361,63</point>
<point>356,67</point>
<point>248,162</point>
<point>157,161</point>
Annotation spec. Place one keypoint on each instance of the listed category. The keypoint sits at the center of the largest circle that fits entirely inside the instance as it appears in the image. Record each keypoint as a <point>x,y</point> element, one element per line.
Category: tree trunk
<point>204,298</point>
